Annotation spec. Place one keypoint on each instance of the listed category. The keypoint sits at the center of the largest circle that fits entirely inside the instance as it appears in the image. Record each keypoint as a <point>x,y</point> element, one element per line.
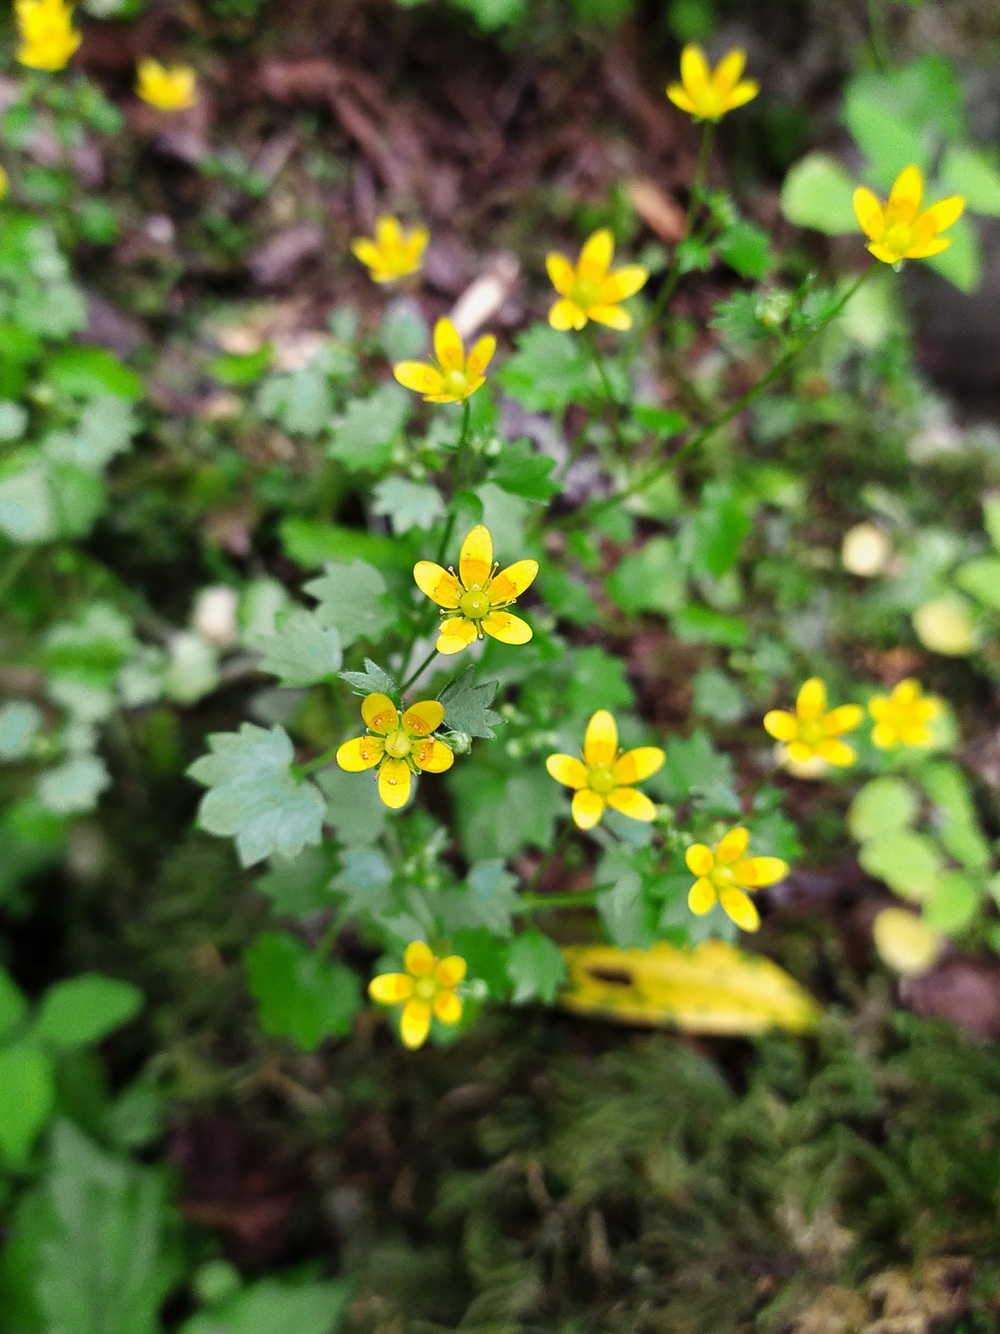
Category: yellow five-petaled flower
<point>166,87</point>
<point>725,873</point>
<point>898,230</point>
<point>427,987</point>
<point>456,375</point>
<point>48,37</point>
<point>812,730</point>
<point>605,776</point>
<point>473,602</point>
<point>398,744</point>
<point>392,252</point>
<point>591,291</point>
<point>708,94</point>
<point>901,717</point>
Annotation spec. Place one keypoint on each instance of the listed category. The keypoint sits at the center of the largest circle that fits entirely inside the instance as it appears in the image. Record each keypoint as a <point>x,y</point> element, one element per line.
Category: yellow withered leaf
<point>712,988</point>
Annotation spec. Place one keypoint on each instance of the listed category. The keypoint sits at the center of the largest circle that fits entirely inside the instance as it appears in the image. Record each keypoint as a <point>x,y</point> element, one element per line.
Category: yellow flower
<point>591,291</point>
<point>725,873</point>
<point>901,718</point>
<point>812,730</point>
<point>708,95</point>
<point>398,744</point>
<point>905,941</point>
<point>391,253</point>
<point>456,375</point>
<point>4,182</point>
<point>898,230</point>
<point>167,87</point>
<point>427,986</point>
<point>473,602</point>
<point>604,776</point>
<point>48,37</point>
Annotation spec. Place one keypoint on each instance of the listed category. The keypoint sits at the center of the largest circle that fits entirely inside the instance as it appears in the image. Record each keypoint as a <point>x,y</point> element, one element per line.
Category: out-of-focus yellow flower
<point>901,717</point>
<point>605,776</point>
<point>590,291</point>
<point>708,94</point>
<point>473,601</point>
<point>946,625</point>
<point>391,253</point>
<point>898,230</point>
<point>48,37</point>
<point>4,182</point>
<point>725,873</point>
<point>427,987</point>
<point>456,375</point>
<point>905,941</point>
<point>166,87</point>
<point>812,730</point>
<point>398,744</point>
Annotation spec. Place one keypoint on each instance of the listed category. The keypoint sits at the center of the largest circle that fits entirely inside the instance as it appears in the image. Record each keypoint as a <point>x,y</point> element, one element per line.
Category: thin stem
<point>417,670</point>
<point>878,37</point>
<point>612,401</point>
<point>547,861</point>
<point>652,475</point>
<point>14,568</point>
<point>584,898</point>
<point>456,478</point>
<point>320,762</point>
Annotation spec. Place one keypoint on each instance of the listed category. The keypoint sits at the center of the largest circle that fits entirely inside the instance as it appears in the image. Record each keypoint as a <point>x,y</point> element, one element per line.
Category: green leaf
<point>952,903</point>
<point>961,263</point>
<point>623,908</point>
<point>272,1307</point>
<point>500,815</point>
<point>353,599</point>
<point>19,724</point>
<point>817,193</point>
<point>696,624</point>
<point>466,706</point>
<point>92,372</point>
<point>971,173</point>
<point>311,544</point>
<point>303,651</point>
<point>712,537</point>
<point>365,435</point>
<point>908,862</point>
<point>594,674</point>
<point>301,996</point>
<point>548,371</point>
<point>27,509</point>
<point>13,1006</point>
<point>717,697</point>
<point>882,806</point>
<point>93,1242</point>
<point>407,504</point>
<point>354,811</point>
<point>747,249</point>
<point>254,797</point>
<point>535,967</point>
<point>663,422</point>
<point>302,887</point>
<point>651,579</point>
<point>73,787</point>
<point>237,369</point>
<point>493,891</point>
<point>27,1096</point>
<point>301,402</point>
<point>13,421</point>
<point>521,471</point>
<point>959,831</point>
<point>372,681</point>
<point>981,578</point>
<point>991,519</point>
<point>105,429</point>
<point>86,1009</point>
<point>694,767</point>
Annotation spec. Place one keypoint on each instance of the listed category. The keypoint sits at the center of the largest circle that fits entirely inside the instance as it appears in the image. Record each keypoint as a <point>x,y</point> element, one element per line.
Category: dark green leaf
<point>521,471</point>
<point>535,966</point>
<point>85,1009</point>
<point>301,996</point>
<point>372,681</point>
<point>466,706</point>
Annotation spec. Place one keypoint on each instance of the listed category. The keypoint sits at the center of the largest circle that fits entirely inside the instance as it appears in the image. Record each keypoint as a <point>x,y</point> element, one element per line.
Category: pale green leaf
<point>302,651</point>
<point>353,600</point>
<point>817,194</point>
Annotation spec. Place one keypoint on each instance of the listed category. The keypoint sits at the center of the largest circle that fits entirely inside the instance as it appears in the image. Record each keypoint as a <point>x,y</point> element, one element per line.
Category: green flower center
<point>601,779</point>
<point>586,293</point>
<point>474,604</point>
<point>898,239</point>
<point>425,988</point>
<point>397,744</point>
<point>456,382</point>
<point>811,733</point>
<point>722,877</point>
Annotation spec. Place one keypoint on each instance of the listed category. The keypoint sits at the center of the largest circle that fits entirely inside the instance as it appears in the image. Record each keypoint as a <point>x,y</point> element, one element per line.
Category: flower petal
<point>439,584</point>
<point>677,95</point>
<point>447,1007</point>
<point>945,212</point>
<point>633,803</point>
<point>415,1024</point>
<point>694,70</point>
<point>810,703</point>
<point>423,718</point>
<point>756,872</point>
<point>884,254</point>
<point>701,896</point>
<point>394,782</point>
<point>728,71</point>
<point>596,255</point>
<point>451,970</point>
<point>737,905</point>
<point>635,765</point>
<point>885,736</point>
<point>561,273</point>
<point>418,959</point>
<point>479,358</point>
<point>799,753</point>
<point>621,284</point>
<point>475,563</point>
<point>364,752</point>
<point>843,719</point>
<point>588,807</point>
<point>568,770</point>
<point>600,744</point>
<point>928,248</point>
<point>387,232</point>
<point>448,346</point>
<point>781,725</point>
<point>614,317</point>
<point>869,213</point>
<point>434,757</point>
<point>905,197</point>
<point>511,582</point>
<point>379,713</point>
<point>732,846</point>
<point>419,376</point>
<point>567,315</point>
<point>700,859</point>
<point>456,634</point>
<point>506,627</point>
<point>367,251</point>
<point>390,988</point>
<point>743,92</point>
<point>836,752</point>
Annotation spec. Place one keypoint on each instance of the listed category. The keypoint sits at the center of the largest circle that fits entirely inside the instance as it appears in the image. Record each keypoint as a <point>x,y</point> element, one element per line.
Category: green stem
<point>320,762</point>
<point>417,670</point>
<point>13,569</point>
<point>584,898</point>
<point>456,478</point>
<point>878,38</point>
<point>547,861</point>
<point>598,360</point>
<point>652,475</point>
